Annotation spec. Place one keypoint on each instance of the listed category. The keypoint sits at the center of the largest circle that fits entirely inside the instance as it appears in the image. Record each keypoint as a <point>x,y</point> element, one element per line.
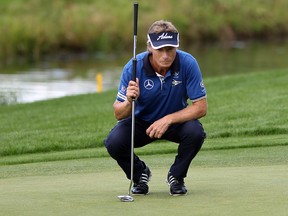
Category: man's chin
<point>165,65</point>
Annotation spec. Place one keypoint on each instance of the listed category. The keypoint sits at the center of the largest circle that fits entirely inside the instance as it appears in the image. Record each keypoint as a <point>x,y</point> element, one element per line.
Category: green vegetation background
<point>33,28</point>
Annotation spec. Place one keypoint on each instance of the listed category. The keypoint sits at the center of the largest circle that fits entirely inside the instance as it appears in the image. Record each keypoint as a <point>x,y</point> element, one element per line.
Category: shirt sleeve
<point>195,86</point>
<point>124,81</point>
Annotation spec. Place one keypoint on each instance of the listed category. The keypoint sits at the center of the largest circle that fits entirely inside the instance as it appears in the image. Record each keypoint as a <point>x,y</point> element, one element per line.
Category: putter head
<point>126,198</point>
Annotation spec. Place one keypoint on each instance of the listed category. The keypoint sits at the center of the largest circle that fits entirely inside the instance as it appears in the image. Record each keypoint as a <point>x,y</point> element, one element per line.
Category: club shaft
<point>132,145</point>
<point>134,46</point>
<point>133,99</point>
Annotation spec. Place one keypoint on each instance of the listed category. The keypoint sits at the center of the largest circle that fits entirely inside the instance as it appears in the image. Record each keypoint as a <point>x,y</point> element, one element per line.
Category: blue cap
<point>163,39</point>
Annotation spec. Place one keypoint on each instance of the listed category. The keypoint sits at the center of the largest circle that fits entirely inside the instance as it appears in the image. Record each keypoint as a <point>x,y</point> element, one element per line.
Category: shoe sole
<point>140,194</point>
<point>175,195</point>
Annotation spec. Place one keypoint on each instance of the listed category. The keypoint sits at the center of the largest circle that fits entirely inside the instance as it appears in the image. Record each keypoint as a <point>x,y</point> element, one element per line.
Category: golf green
<point>227,190</point>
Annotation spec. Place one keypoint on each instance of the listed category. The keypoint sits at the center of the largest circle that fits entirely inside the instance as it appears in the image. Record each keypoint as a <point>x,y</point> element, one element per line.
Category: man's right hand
<point>133,90</point>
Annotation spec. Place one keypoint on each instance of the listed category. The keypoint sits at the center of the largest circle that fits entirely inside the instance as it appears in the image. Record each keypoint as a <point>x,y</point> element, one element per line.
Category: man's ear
<point>149,48</point>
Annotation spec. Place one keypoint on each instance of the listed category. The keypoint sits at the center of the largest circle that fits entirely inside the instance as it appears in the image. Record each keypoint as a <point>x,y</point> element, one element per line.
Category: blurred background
<point>55,48</point>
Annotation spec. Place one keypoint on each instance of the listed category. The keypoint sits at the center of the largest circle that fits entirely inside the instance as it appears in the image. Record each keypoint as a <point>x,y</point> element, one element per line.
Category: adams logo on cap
<point>164,36</point>
<point>163,39</point>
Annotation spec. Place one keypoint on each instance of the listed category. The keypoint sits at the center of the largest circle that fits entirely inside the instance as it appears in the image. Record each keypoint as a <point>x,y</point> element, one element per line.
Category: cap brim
<point>163,39</point>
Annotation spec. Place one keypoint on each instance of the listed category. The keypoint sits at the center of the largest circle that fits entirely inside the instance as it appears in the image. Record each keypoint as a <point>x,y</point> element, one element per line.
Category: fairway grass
<point>253,183</point>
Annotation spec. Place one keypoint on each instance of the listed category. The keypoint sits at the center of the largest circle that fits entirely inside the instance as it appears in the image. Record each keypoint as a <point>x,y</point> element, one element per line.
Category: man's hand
<point>133,90</point>
<point>158,128</point>
<point>196,110</point>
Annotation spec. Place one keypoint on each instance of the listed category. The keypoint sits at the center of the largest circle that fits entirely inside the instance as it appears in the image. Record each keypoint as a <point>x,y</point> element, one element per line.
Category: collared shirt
<point>160,96</point>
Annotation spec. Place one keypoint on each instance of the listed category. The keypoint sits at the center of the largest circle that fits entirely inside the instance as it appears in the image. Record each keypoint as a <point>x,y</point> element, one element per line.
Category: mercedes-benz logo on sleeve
<point>148,84</point>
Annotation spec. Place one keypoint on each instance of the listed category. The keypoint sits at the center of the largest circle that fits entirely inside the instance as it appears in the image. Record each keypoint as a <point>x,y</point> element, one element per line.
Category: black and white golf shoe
<point>177,186</point>
<point>141,187</point>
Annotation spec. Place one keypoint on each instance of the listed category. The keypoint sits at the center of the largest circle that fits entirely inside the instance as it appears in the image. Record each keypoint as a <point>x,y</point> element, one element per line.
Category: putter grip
<point>134,69</point>
<point>135,17</point>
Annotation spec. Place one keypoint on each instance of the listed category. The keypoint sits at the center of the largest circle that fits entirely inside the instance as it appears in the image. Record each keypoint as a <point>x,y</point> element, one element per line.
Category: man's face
<point>163,57</point>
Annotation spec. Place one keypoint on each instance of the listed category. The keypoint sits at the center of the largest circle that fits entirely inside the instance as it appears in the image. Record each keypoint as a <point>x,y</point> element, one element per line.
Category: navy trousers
<point>189,135</point>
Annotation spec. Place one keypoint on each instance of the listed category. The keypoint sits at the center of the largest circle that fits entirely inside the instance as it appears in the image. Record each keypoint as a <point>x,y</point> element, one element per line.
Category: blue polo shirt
<point>166,95</point>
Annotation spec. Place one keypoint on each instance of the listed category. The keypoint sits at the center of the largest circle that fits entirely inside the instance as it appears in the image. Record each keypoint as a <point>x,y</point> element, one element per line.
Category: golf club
<point>129,198</point>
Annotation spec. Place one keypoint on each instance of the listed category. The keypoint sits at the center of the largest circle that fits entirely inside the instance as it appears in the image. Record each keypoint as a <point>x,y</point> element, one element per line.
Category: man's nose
<point>165,54</point>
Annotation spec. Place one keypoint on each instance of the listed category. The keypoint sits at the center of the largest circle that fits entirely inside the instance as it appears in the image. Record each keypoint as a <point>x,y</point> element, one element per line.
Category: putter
<point>129,198</point>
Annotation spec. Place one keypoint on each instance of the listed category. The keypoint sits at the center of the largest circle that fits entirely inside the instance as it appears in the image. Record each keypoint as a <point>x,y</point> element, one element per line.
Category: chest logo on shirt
<point>148,84</point>
<point>176,82</point>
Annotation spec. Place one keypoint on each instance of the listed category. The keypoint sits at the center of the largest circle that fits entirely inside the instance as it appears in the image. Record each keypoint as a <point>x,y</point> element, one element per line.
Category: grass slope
<point>244,111</point>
